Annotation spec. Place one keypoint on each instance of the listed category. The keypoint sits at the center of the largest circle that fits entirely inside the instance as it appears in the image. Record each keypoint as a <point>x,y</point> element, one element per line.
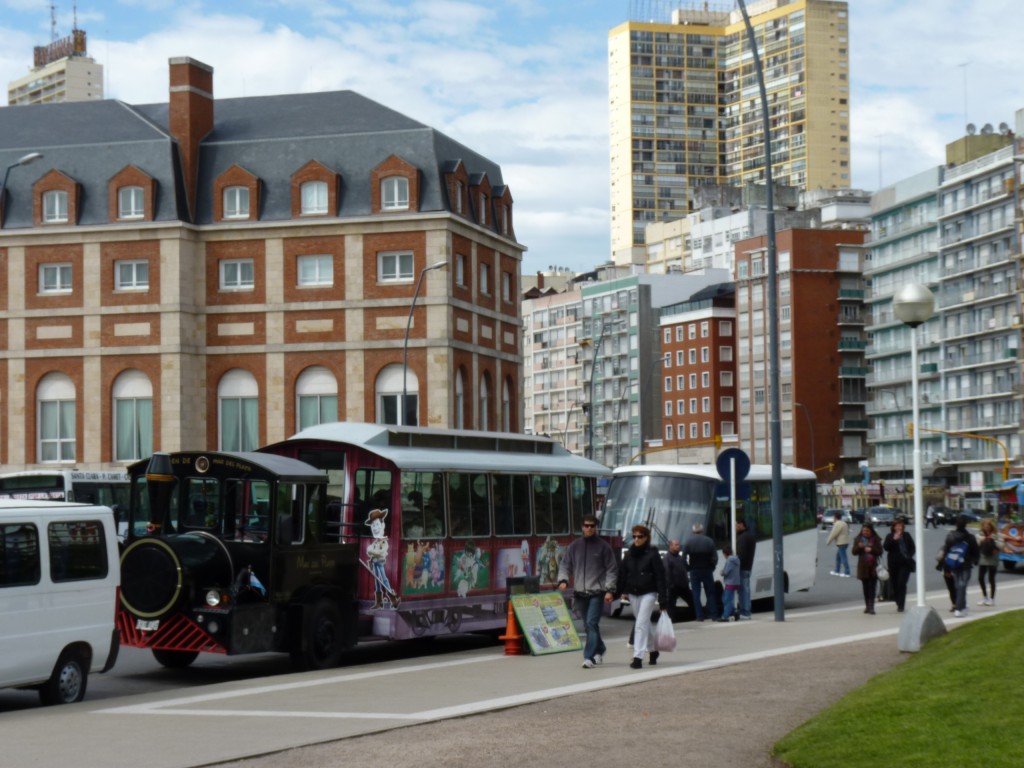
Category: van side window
<point>78,550</point>
<point>19,545</point>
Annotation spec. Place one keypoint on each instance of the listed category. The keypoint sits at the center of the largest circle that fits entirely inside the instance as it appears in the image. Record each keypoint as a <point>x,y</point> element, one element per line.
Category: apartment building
<point>221,273</point>
<point>684,111</point>
<point>822,371</point>
<point>61,71</point>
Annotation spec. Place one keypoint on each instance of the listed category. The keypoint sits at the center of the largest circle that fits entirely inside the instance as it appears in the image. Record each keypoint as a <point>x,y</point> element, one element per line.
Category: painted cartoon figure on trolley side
<point>377,557</point>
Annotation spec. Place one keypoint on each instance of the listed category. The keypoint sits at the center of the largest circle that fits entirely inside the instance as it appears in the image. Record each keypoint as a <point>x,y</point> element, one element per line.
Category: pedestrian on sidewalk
<point>959,554</point>
<point>746,546</point>
<point>868,548</point>
<point>730,583</point>
<point>840,535</point>
<point>590,562</point>
<point>642,579</point>
<point>677,580</point>
<point>701,559</point>
<point>900,547</point>
<point>988,562</point>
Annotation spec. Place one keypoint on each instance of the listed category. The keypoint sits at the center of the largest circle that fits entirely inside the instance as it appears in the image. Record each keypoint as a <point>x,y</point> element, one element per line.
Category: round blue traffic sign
<point>736,459</point>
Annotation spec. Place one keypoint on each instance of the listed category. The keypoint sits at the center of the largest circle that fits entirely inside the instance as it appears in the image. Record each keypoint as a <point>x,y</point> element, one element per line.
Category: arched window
<point>316,394</point>
<point>238,411</point>
<point>389,397</point>
<point>460,400</point>
<point>314,197</point>
<point>484,403</point>
<point>55,398</point>
<point>133,416</point>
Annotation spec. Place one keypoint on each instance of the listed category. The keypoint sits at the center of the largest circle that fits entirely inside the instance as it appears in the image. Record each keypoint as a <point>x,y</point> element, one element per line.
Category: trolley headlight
<point>213,598</point>
<point>212,627</point>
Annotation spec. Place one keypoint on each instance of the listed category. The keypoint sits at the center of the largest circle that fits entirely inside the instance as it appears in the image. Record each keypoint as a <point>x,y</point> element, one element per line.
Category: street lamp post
<point>403,419</point>
<point>31,157</point>
<point>913,305</point>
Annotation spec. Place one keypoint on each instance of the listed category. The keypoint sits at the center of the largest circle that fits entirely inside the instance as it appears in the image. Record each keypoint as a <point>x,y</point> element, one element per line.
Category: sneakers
<point>991,601</point>
<point>598,659</point>
<point>588,664</point>
<point>959,614</point>
<point>744,618</point>
<point>983,601</point>
<point>833,573</point>
<point>636,663</point>
<point>845,575</point>
<point>654,657</point>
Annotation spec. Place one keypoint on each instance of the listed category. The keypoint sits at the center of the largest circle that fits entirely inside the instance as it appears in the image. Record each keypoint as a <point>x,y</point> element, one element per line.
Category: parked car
<point>829,516</point>
<point>881,515</point>
<point>857,516</point>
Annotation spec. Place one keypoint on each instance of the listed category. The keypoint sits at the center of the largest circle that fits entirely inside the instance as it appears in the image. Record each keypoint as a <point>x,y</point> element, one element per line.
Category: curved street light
<point>31,157</point>
<point>405,345</point>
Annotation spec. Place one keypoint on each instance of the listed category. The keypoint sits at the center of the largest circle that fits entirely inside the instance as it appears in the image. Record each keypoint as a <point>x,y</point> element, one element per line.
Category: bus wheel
<point>322,637</point>
<point>1009,565</point>
<point>174,659</point>
<point>67,683</point>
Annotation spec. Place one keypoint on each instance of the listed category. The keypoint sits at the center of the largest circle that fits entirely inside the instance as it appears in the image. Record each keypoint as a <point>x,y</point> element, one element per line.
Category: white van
<point>59,575</point>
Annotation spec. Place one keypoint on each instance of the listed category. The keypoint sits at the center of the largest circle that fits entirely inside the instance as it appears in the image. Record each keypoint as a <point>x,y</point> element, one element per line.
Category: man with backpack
<point>959,555</point>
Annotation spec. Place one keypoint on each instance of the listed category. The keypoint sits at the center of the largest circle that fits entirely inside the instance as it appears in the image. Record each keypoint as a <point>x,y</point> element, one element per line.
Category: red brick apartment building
<point>698,371</point>
<point>822,368</point>
<point>218,274</point>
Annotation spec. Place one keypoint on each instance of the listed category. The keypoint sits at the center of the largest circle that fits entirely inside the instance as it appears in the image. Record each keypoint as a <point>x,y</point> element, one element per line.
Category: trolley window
<point>512,505</point>
<point>422,505</point>
<point>469,504</point>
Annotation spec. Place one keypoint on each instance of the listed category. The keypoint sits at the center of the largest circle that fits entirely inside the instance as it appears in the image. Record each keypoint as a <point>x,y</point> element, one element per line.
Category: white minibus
<point>59,578</point>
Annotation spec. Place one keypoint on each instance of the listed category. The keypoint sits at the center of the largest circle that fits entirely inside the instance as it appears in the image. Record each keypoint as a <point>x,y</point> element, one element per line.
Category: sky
<point>524,82</point>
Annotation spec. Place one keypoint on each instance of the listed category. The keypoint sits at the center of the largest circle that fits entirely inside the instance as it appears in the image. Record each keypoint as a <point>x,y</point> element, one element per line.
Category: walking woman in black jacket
<point>642,579</point>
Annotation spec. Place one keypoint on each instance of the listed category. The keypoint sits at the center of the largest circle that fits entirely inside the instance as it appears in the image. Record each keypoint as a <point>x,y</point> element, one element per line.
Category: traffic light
<point>831,467</point>
<point>910,429</point>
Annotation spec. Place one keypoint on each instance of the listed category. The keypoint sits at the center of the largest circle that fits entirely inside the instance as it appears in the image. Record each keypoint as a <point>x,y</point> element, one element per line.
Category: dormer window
<point>394,193</point>
<point>130,203</point>
<point>482,205</point>
<point>236,203</point>
<point>314,198</point>
<point>460,190</point>
<point>55,207</point>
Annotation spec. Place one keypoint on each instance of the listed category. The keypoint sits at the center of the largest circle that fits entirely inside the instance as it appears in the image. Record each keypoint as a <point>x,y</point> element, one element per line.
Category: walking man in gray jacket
<point>589,562</point>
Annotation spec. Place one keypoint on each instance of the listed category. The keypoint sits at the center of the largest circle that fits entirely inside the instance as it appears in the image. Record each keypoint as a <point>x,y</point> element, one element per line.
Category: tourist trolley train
<point>344,531</point>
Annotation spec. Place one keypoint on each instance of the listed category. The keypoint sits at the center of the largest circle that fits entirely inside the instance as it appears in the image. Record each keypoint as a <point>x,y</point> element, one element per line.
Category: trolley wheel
<point>68,681</point>
<point>322,637</point>
<point>174,659</point>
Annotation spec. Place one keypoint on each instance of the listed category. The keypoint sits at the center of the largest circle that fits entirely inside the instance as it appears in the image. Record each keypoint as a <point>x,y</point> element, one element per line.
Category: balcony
<point>852,344</point>
<point>851,425</point>
<point>853,371</point>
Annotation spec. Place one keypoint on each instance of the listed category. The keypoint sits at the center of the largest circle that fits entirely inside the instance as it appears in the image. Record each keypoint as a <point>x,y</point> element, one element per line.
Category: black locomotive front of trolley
<point>230,553</point>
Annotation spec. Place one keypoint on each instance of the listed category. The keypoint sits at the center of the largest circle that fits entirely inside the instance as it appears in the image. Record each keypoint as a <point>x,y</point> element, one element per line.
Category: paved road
<point>244,719</point>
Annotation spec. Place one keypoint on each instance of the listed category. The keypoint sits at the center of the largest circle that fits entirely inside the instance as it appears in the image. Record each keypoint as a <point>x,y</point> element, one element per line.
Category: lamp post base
<point>920,624</point>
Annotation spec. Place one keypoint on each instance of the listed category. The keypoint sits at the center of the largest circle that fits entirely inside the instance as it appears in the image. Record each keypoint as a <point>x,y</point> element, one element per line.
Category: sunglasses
<point>590,525</point>
<point>639,535</point>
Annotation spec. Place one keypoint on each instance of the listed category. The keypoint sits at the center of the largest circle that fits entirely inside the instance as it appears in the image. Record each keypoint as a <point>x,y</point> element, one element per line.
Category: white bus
<point>108,488</point>
<point>670,498</point>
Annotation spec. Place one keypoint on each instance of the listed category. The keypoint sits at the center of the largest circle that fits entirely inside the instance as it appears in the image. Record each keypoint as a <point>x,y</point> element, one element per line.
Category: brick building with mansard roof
<point>218,274</point>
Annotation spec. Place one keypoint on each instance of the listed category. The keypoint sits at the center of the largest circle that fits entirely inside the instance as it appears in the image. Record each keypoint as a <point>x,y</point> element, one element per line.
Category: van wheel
<point>67,683</point>
<point>322,637</point>
<point>174,659</point>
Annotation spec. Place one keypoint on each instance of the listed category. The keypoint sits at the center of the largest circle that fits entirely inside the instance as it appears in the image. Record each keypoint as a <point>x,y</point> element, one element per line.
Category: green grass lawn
<point>957,702</point>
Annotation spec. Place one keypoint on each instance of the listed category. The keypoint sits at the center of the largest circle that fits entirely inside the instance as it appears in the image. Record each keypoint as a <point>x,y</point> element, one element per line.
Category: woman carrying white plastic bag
<point>665,634</point>
<point>642,578</point>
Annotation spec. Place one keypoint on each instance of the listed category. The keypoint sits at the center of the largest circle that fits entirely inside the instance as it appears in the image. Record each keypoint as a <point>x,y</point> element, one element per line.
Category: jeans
<point>591,607</point>
<point>961,579</point>
<point>728,597</point>
<point>745,594</point>
<point>842,563</point>
<point>899,577</point>
<point>643,606</point>
<point>703,577</point>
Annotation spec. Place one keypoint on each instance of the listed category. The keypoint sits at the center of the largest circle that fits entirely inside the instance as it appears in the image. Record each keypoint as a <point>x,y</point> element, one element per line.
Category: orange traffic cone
<point>513,640</point>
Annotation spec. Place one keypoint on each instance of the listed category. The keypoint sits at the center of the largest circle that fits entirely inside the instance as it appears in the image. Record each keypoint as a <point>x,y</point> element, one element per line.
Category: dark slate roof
<point>270,136</point>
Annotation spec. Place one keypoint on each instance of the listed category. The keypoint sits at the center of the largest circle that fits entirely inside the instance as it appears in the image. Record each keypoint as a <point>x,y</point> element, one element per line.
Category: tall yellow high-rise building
<point>685,109</point>
<point>61,71</point>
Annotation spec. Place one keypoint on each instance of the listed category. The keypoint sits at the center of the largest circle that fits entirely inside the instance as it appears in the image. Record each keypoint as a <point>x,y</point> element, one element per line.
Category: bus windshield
<point>669,506</point>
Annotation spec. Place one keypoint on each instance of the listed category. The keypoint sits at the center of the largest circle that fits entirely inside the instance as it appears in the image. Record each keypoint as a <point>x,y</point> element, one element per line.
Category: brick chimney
<point>191,117</point>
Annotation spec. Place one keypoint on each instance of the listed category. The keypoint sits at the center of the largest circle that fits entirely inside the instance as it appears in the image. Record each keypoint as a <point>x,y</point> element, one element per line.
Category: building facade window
<point>314,198</point>
<point>131,275</point>
<point>681,382</point>
<point>680,407</point>
<point>54,278</point>
<point>238,416</point>
<point>394,193</point>
<point>460,269</point>
<point>316,270</point>
<point>389,391</point>
<point>668,431</point>
<point>485,403</point>
<point>56,419</point>
<point>726,404</point>
<point>236,202</point>
<point>133,416</point>
<point>237,275</point>
<point>485,279</point>
<point>130,203</point>
<point>460,400</point>
<point>506,287</point>
<point>55,206</point>
<point>394,266</point>
<point>316,395</point>
<point>482,203</point>
<point>705,405</point>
